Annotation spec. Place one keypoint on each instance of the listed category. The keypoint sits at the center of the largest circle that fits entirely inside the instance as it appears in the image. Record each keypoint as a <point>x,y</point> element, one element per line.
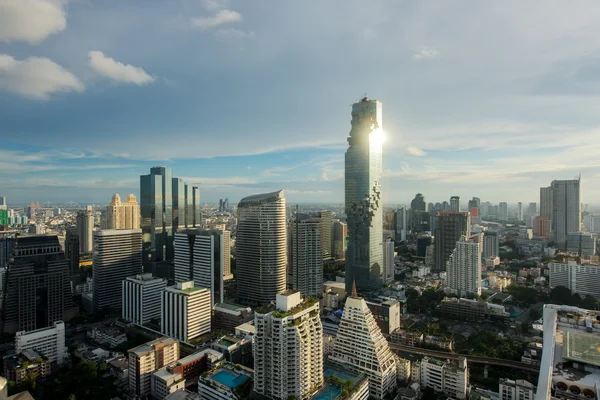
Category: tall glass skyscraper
<point>364,208</point>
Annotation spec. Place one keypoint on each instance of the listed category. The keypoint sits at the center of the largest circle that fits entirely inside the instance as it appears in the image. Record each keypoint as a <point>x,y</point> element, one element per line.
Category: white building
<point>450,377</point>
<point>147,358</point>
<point>361,347</point>
<point>288,348</point>
<point>306,254</point>
<point>516,390</point>
<point>165,382</point>
<point>580,279</point>
<point>85,228</point>
<point>388,260</point>
<point>464,268</point>
<point>185,311</point>
<point>213,386</point>
<point>49,342</point>
<point>141,298</point>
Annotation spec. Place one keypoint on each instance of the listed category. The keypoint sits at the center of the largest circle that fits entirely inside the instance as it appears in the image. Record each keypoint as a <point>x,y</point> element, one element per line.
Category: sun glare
<point>377,137</point>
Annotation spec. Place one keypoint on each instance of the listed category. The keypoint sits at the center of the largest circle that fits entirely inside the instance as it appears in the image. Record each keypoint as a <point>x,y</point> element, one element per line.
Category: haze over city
<point>248,97</point>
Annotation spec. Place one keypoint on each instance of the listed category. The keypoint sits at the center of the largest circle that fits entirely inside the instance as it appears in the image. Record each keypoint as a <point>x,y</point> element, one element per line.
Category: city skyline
<point>227,106</point>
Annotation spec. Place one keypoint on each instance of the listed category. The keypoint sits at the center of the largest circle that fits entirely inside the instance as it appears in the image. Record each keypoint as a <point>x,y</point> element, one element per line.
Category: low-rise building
<point>227,316</point>
<point>237,350</point>
<point>474,310</point>
<point>50,342</point>
<point>402,369</point>
<point>516,389</point>
<point>17,367</point>
<point>386,314</point>
<point>448,377</point>
<point>342,384</point>
<point>405,338</point>
<point>119,368</point>
<point>164,382</point>
<point>147,358</point>
<point>112,337</point>
<point>226,382</point>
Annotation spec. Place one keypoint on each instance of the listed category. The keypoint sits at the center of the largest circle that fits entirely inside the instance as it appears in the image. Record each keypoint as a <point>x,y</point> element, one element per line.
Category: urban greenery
<point>426,303</point>
<point>490,344</point>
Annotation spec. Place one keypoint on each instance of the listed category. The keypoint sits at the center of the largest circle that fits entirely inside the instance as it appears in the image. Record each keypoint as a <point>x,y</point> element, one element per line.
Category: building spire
<point>354,289</point>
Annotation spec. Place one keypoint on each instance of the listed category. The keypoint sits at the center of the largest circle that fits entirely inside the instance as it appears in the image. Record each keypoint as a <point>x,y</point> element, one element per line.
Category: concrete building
<point>450,227</point>
<point>325,219</point>
<point>402,223</point>
<point>148,358</point>
<point>141,298</point>
<point>582,243</point>
<point>541,227</point>
<point>117,255</point>
<point>455,204</point>
<point>491,244</point>
<point>388,260</point>
<point>339,232</point>
<point>72,250</point>
<point>288,348</point>
<point>227,316</point>
<point>356,385</point>
<point>227,382</point>
<point>203,256</point>
<point>261,248</point>
<point>519,211</point>
<point>123,215</point>
<point>386,313</point>
<point>580,279</point>
<point>364,205</point>
<point>566,212</point>
<point>37,287</point>
<point>185,311</point>
<point>448,377</point>
<point>516,389</point>
<point>50,342</point>
<point>306,257</point>
<point>503,211</point>
<point>547,203</point>
<point>20,366</point>
<point>85,228</point>
<point>361,347</point>
<point>164,382</point>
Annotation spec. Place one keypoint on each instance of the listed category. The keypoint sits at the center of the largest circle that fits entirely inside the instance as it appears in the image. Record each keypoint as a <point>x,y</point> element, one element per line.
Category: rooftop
<point>230,375</point>
<point>259,199</point>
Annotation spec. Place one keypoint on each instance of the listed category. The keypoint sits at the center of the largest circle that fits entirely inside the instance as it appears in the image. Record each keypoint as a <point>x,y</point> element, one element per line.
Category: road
<point>471,359</point>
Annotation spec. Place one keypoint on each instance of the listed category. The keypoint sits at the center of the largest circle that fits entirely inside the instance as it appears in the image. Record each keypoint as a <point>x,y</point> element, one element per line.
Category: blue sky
<point>487,99</point>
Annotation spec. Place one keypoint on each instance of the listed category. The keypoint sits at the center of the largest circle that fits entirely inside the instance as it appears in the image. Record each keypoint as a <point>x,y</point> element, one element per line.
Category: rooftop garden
<point>307,303</point>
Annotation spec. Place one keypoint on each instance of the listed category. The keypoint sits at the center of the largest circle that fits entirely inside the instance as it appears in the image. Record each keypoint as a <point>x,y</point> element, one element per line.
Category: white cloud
<point>414,151</point>
<point>124,73</point>
<point>31,21</point>
<point>425,53</point>
<point>220,18</point>
<point>36,77</point>
<point>233,34</point>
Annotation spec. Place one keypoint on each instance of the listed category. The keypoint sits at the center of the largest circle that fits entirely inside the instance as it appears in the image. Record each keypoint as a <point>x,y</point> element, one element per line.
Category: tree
<point>428,394</point>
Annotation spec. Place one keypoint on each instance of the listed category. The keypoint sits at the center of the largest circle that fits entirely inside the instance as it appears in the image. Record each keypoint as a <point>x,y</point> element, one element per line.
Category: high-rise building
<point>179,204</point>
<point>455,204</point>
<point>519,211</point>
<point>450,377</point>
<point>288,348</point>
<point>464,268</point>
<point>185,311</point>
<point>261,248</point>
<point>541,226</point>
<point>326,222</point>
<point>491,244</point>
<point>339,230</point>
<point>361,347</point>
<point>117,255</point>
<point>532,209</point>
<point>582,243</point>
<point>7,242</point>
<point>503,211</point>
<point>196,211</point>
<point>566,214</point>
<point>364,207</point>
<point>72,250</point>
<point>402,223</point>
<point>203,256</point>
<point>547,203</point>
<point>146,359</point>
<point>37,285</point>
<point>141,298</point>
<point>418,203</point>
<point>306,255</point>
<point>3,201</point>
<point>450,227</point>
<point>85,228</point>
<point>388,260</point>
<point>156,205</point>
<point>123,215</point>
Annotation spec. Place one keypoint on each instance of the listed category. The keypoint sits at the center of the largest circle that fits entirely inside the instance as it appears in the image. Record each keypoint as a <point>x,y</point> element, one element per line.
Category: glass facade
<point>364,208</point>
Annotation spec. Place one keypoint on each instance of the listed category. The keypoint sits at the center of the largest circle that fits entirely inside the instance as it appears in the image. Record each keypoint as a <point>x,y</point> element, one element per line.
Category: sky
<point>486,99</point>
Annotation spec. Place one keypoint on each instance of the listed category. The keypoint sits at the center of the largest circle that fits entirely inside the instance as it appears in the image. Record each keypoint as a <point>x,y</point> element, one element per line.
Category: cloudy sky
<point>487,99</point>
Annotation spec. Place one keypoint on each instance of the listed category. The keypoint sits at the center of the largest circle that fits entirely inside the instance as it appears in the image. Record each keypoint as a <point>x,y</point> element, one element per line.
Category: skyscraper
<point>418,203</point>
<point>306,255</point>
<point>503,211</point>
<point>464,268</point>
<point>455,204</point>
<point>179,204</point>
<point>339,230</point>
<point>117,255</point>
<point>566,214</point>
<point>402,223</point>
<point>261,248</point>
<point>547,203</point>
<point>325,220</point>
<point>123,215</point>
<point>288,348</point>
<point>388,260</point>
<point>156,205</point>
<point>72,250</point>
<point>85,227</point>
<point>519,211</point>
<point>361,347</point>
<point>203,256</point>
<point>3,201</point>
<point>364,208</point>
<point>37,285</point>
<point>185,311</point>
<point>141,298</point>
<point>491,244</point>
<point>450,227</point>
<point>196,212</point>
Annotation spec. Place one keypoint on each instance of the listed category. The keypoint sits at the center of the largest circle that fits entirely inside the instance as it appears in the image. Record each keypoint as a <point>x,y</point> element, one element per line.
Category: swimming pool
<point>228,379</point>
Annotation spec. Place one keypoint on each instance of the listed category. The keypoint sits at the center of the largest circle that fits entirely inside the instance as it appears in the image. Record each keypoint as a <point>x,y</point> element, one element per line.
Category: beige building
<point>144,360</point>
<point>123,215</point>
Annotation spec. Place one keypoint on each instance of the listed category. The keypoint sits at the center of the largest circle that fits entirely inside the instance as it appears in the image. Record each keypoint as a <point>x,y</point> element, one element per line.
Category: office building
<point>464,268</point>
<point>418,203</point>
<point>519,211</point>
<point>339,232</point>
<point>450,227</point>
<point>582,243</point>
<point>491,244</point>
<point>141,298</point>
<point>3,201</point>
<point>203,256</point>
<point>566,212</point>
<point>7,242</point>
<point>516,389</point>
<point>503,211</point>
<point>288,348</point>
<point>85,228</point>
<point>386,314</point>
<point>402,223</point>
<point>361,347</point>
<point>580,279</point>
<point>547,202</point>
<point>227,382</point>
<point>455,204</point>
<point>37,285</point>
<point>72,250</point>
<point>49,341</point>
<point>364,205</point>
<point>180,205</point>
<point>325,218</point>
<point>227,316</point>
<point>123,215</point>
<point>185,311</point>
<point>541,227</point>
<point>388,260</point>
<point>117,255</point>
<point>148,358</point>
<point>306,256</point>
<point>261,248</point>
<point>448,377</point>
